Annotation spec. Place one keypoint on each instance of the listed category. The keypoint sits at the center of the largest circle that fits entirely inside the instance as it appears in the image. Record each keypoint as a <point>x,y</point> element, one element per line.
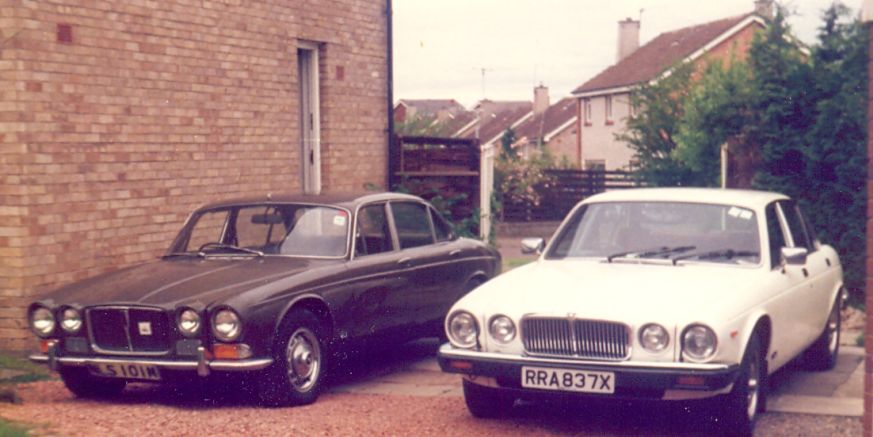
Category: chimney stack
<point>628,38</point>
<point>764,8</point>
<point>541,99</point>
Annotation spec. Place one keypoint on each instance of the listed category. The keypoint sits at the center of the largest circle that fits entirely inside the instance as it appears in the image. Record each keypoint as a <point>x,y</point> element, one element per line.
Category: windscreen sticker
<point>339,220</point>
<point>745,214</point>
<point>734,211</point>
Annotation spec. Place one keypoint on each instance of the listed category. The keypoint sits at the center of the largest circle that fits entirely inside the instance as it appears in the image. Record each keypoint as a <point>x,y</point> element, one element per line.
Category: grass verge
<point>8,429</point>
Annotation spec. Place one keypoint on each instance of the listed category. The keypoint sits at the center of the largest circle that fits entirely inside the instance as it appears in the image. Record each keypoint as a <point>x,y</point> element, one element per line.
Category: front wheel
<point>297,374</point>
<point>486,402</point>
<point>748,395</point>
<point>84,385</point>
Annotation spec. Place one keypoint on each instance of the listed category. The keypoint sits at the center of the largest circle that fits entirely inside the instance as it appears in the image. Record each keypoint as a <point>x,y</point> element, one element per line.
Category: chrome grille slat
<point>578,338</point>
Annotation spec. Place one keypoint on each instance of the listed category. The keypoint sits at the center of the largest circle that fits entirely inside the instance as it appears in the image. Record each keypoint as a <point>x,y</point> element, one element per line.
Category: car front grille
<point>576,338</point>
<point>129,330</point>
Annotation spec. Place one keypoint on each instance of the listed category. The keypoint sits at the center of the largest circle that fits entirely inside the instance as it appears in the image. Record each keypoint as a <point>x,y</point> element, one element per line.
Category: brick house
<point>552,127</point>
<point>118,117</point>
<point>603,102</point>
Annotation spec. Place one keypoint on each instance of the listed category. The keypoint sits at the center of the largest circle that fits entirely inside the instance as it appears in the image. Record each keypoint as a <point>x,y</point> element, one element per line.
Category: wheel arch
<point>762,326</point>
<point>315,305</point>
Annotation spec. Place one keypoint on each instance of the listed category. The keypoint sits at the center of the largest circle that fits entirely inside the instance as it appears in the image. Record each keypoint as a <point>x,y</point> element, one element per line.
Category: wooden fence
<point>562,190</point>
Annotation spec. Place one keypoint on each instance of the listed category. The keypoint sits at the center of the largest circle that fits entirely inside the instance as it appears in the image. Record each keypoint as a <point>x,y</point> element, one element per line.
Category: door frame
<point>310,133</point>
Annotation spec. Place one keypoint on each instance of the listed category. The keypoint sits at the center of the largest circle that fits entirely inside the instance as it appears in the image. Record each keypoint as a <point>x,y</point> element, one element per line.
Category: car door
<point>788,291</point>
<point>377,277</point>
<point>429,265</point>
<point>816,304</point>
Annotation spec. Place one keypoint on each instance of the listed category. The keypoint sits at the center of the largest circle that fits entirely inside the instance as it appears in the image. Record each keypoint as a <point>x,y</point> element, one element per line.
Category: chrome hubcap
<point>754,377</point>
<point>303,356</point>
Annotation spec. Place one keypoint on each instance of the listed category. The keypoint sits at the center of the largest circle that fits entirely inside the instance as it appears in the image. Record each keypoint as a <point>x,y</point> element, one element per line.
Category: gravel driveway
<point>154,410</point>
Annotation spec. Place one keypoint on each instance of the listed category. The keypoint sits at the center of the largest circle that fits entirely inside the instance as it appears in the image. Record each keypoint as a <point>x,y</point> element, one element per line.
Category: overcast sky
<point>441,46</point>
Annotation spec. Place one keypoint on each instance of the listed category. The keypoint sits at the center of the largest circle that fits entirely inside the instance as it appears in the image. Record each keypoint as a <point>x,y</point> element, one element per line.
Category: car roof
<point>752,199</point>
<point>344,200</point>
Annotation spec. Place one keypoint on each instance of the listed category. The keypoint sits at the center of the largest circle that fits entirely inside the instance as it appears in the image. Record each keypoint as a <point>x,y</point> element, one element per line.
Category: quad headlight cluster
<point>463,329</point>
<point>699,342</point>
<point>44,322</point>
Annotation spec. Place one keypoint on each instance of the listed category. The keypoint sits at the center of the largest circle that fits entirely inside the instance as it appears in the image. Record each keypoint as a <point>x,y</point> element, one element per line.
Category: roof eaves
<point>512,126</point>
<point>548,137</point>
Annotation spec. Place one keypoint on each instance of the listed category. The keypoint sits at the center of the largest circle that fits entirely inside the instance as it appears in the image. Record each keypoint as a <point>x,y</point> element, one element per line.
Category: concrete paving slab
<point>838,392</point>
<point>816,405</point>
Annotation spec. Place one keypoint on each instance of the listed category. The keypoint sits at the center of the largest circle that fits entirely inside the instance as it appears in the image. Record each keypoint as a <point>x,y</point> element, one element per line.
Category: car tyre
<point>297,374</point>
<point>740,407</point>
<point>486,402</point>
<point>822,355</point>
<point>84,385</point>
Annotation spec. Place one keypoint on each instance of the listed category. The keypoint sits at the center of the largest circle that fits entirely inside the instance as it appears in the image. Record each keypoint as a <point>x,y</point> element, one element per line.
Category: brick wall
<point>117,117</point>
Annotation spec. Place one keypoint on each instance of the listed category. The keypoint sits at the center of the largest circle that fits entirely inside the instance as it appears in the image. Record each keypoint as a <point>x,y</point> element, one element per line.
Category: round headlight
<point>189,322</point>
<point>462,329</point>
<point>502,329</point>
<point>42,321</point>
<point>654,338</point>
<point>226,325</point>
<point>71,320</point>
<point>699,343</point>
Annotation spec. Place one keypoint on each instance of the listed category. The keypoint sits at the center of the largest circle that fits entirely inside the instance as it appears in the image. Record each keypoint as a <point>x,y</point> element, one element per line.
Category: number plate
<point>584,381</point>
<point>128,371</point>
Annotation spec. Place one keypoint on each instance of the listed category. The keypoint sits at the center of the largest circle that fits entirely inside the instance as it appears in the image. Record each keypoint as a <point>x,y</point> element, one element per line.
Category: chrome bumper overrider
<point>201,364</point>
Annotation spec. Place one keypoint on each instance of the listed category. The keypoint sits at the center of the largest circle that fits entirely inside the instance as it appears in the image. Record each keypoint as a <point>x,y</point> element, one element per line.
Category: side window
<point>412,223</point>
<point>795,225</point>
<point>775,236</point>
<point>442,229</point>
<point>373,235</point>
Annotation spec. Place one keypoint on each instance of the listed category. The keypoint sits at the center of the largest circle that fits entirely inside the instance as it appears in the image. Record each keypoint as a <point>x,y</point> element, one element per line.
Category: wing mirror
<point>532,245</point>
<point>794,256</point>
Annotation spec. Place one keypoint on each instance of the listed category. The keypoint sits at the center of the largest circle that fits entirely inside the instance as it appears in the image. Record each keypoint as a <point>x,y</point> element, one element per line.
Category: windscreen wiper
<point>715,254</point>
<point>181,254</point>
<point>230,247</point>
<point>648,253</point>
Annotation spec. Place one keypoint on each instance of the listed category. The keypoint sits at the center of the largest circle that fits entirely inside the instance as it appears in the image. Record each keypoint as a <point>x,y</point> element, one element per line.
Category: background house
<point>552,128</point>
<point>441,110</point>
<point>604,100</point>
<point>117,118</point>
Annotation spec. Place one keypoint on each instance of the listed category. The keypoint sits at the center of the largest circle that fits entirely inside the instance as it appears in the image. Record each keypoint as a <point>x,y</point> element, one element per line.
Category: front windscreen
<point>660,230</point>
<point>285,229</point>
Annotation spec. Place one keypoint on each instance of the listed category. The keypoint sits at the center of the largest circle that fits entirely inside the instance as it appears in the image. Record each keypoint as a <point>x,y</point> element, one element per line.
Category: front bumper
<point>201,365</point>
<point>633,380</point>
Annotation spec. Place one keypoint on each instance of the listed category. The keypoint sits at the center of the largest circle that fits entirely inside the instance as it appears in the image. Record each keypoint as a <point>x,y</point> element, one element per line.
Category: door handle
<point>455,253</point>
<point>805,273</point>
<point>405,262</point>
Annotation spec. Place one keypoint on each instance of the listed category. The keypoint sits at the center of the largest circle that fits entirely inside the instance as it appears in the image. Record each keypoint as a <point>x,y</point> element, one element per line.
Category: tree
<point>780,115</point>
<point>506,142</point>
<point>651,134</point>
<point>836,153</point>
<point>717,111</point>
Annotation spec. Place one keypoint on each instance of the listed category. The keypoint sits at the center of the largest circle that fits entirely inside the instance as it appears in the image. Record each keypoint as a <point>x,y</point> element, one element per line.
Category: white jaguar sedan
<point>672,294</point>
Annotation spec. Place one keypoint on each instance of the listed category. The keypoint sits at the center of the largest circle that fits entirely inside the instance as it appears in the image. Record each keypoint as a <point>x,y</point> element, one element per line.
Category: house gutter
<point>393,151</point>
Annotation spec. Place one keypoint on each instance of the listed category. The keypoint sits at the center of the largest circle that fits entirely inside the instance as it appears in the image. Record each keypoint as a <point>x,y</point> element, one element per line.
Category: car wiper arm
<point>231,247</point>
<point>181,254</point>
<point>647,253</point>
<point>713,254</point>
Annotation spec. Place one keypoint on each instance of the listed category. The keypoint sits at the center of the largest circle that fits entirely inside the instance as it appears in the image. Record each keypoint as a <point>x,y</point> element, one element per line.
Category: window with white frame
<point>586,105</point>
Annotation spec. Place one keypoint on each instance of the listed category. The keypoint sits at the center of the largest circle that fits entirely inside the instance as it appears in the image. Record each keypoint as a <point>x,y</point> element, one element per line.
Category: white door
<point>310,137</point>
